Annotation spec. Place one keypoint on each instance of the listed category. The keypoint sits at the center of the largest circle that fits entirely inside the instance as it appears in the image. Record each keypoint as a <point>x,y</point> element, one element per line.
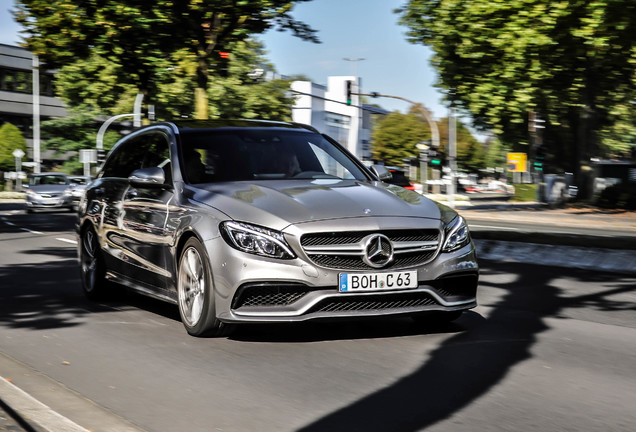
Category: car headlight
<point>68,192</point>
<point>256,240</point>
<point>457,235</point>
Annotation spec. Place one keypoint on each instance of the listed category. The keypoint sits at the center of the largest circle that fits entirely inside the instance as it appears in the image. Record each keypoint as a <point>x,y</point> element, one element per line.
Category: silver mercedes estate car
<point>256,221</point>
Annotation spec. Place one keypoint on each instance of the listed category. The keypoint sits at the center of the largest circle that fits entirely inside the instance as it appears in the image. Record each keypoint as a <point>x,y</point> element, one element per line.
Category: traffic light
<point>349,86</point>
<point>223,63</point>
<point>539,159</point>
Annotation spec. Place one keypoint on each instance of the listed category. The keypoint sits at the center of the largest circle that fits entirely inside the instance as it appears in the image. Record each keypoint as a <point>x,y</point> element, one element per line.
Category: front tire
<point>92,268</point>
<point>196,293</point>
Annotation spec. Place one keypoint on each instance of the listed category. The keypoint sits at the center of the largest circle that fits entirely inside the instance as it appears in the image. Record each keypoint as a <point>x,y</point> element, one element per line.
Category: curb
<point>560,239</point>
<point>32,414</point>
<point>619,261</point>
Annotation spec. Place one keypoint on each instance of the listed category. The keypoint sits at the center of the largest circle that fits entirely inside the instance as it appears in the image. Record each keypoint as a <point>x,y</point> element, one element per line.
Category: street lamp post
<point>36,114</point>
<point>354,62</point>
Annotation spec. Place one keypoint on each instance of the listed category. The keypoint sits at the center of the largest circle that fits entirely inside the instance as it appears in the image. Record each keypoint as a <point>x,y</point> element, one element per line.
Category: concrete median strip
<point>33,412</point>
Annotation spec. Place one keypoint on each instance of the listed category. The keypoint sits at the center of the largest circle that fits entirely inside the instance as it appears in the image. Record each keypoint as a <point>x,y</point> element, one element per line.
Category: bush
<point>620,196</point>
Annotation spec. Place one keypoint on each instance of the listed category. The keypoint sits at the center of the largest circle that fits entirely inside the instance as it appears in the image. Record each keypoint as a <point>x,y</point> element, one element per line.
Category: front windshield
<point>258,154</point>
<point>48,180</point>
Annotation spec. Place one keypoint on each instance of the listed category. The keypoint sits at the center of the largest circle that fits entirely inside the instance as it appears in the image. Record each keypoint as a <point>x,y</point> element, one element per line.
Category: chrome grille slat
<point>345,250</point>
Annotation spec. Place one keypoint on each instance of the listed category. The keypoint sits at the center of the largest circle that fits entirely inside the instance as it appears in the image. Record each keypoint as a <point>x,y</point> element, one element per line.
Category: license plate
<point>357,282</point>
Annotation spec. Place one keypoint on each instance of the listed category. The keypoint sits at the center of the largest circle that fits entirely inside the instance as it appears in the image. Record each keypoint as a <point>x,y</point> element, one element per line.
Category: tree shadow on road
<point>467,365</point>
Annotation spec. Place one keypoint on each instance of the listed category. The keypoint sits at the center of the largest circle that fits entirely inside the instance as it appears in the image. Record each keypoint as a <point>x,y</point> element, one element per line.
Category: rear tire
<point>196,293</point>
<point>92,268</point>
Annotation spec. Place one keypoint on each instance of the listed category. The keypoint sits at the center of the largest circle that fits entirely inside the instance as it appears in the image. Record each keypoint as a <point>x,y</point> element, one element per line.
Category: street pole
<point>36,114</point>
<point>18,154</point>
<point>452,155</point>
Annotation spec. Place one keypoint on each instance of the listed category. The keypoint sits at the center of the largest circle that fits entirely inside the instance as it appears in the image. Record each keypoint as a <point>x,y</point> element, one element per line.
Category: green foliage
<point>470,152</point>
<point>496,153</point>
<point>525,192</point>
<point>139,41</point>
<point>396,135</point>
<point>92,83</point>
<point>11,139</point>
<point>73,133</point>
<point>572,62</point>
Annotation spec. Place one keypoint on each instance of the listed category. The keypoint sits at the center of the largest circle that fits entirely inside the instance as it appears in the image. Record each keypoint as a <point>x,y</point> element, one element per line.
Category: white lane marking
<point>31,231</point>
<point>66,240</point>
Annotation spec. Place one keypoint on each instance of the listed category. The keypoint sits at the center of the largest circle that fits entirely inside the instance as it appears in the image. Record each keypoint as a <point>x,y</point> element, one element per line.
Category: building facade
<point>326,109</point>
<point>17,96</point>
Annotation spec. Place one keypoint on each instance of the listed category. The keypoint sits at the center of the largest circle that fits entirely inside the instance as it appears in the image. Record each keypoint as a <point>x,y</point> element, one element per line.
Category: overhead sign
<point>517,162</point>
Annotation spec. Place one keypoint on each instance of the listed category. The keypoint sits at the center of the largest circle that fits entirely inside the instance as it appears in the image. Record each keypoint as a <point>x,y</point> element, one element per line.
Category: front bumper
<point>251,289</point>
<point>37,202</point>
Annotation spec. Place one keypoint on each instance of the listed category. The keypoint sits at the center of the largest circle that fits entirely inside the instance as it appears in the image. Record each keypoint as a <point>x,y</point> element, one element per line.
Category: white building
<point>326,109</point>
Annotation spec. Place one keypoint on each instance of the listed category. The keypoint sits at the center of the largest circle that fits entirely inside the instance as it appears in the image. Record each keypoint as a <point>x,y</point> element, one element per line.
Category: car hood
<point>49,188</point>
<point>279,203</point>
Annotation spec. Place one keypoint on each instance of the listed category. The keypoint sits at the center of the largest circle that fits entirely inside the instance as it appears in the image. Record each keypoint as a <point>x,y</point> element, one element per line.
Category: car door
<point>144,214</point>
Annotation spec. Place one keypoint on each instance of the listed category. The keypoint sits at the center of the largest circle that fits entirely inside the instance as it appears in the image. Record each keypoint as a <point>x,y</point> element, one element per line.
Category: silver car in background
<point>49,191</point>
<point>256,221</point>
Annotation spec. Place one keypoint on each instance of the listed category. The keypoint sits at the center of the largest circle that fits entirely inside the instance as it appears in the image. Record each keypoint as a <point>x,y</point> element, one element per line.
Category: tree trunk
<point>201,111</point>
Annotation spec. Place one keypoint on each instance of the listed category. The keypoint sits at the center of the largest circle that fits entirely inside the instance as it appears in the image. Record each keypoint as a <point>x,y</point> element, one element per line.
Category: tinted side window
<point>142,151</point>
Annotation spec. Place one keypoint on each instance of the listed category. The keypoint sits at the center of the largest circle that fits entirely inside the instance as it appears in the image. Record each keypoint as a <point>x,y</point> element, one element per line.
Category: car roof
<point>185,125</point>
<point>48,174</point>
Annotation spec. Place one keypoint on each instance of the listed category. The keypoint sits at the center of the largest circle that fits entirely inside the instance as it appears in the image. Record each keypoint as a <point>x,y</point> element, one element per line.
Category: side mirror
<point>148,177</point>
<point>381,172</point>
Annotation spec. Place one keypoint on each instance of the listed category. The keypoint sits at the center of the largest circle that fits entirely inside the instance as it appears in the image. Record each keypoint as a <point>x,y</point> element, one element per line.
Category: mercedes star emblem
<point>378,250</point>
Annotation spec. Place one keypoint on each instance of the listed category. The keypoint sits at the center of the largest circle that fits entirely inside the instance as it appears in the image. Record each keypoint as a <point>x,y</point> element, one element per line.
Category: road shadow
<point>320,331</point>
<point>468,364</point>
<point>42,221</point>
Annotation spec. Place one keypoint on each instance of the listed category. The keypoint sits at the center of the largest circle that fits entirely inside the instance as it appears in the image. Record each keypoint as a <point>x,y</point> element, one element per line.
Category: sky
<point>354,29</point>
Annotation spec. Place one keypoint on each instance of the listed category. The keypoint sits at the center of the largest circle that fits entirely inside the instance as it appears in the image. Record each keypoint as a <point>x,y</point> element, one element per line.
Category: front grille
<point>411,248</point>
<point>343,262</point>
<point>268,295</point>
<point>333,238</point>
<point>375,303</point>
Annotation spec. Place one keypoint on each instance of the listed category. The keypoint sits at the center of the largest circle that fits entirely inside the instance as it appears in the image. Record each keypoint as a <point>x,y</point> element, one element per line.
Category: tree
<point>571,62</point>
<point>244,92</point>
<point>11,139</point>
<point>470,152</point>
<point>73,133</point>
<point>139,35</point>
<point>396,135</point>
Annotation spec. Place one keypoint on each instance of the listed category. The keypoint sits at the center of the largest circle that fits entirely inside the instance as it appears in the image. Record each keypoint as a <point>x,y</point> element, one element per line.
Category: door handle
<point>131,194</point>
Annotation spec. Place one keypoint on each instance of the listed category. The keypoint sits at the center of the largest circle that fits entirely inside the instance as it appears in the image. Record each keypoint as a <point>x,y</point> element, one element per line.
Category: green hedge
<point>525,192</point>
<point>12,195</point>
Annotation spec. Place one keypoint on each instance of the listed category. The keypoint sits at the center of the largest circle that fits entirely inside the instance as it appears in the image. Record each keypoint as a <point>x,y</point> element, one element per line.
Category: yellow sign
<point>517,162</point>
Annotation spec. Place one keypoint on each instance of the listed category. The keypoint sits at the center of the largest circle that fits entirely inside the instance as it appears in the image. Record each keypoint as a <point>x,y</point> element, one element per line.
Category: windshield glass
<point>48,180</point>
<point>256,154</point>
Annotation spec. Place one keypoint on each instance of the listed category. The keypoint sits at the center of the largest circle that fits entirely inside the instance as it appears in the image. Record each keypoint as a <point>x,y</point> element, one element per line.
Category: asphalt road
<point>547,349</point>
